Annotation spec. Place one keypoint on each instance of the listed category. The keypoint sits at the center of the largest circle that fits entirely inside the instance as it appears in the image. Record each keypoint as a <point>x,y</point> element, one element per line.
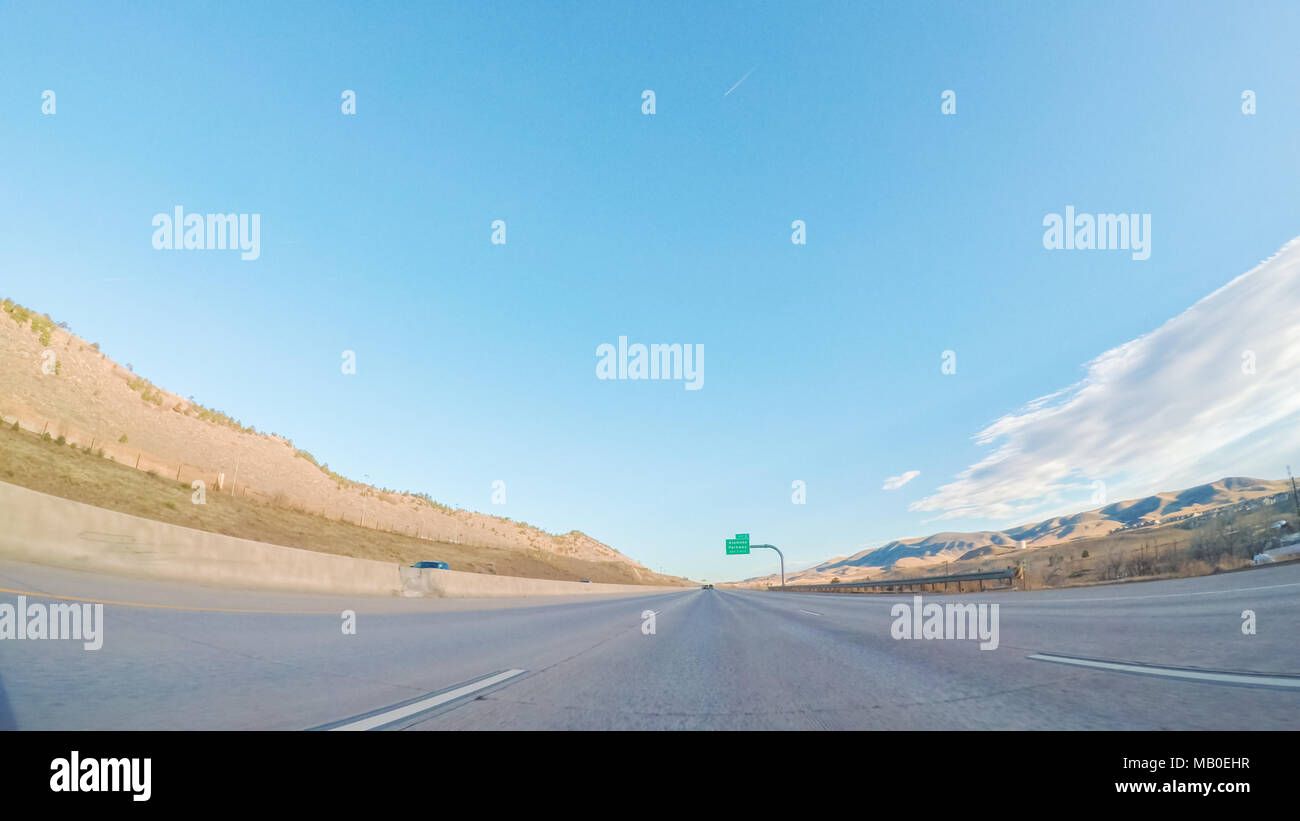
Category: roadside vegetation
<point>1217,542</point>
<point>41,324</point>
<point>44,464</point>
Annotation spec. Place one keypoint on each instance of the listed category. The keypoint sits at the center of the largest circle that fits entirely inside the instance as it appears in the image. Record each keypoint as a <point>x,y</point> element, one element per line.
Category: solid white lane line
<point>1252,679</point>
<point>399,713</point>
<point>1163,595</point>
<point>809,612</point>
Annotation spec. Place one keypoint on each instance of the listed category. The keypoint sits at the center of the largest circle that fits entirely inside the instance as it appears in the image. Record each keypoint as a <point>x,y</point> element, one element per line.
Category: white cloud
<point>895,482</point>
<point>1167,410</point>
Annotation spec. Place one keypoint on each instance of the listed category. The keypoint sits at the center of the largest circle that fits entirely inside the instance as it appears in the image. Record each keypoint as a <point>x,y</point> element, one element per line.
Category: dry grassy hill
<point>1113,533</point>
<point>57,384</point>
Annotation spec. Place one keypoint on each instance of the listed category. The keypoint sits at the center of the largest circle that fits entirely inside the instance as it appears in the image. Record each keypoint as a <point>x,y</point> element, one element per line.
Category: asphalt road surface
<point>1157,655</point>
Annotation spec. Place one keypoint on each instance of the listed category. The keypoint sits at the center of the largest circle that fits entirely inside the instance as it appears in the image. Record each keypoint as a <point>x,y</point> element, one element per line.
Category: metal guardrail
<point>905,585</point>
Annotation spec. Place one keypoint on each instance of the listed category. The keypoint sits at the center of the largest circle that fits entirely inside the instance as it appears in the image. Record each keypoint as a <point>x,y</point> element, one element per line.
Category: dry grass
<point>95,401</point>
<point>72,473</point>
<point>1178,550</point>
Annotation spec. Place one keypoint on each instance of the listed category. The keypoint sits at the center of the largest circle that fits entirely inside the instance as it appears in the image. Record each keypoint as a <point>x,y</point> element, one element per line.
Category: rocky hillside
<point>55,382</point>
<point>1133,514</point>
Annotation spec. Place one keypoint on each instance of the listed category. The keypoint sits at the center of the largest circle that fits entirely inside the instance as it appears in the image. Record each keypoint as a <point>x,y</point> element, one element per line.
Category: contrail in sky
<point>741,80</point>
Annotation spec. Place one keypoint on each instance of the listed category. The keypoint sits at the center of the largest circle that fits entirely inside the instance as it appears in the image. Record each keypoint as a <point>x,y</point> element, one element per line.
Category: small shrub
<point>1139,566</point>
<point>43,328</point>
<point>1083,555</point>
<point>1112,569</point>
<point>17,312</point>
<point>123,439</point>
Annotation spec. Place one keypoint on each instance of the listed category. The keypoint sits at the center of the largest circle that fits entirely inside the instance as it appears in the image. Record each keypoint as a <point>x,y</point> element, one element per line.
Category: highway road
<point>718,659</point>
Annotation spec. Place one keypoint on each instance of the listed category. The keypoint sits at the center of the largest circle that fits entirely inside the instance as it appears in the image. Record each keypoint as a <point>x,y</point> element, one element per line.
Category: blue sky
<point>476,362</point>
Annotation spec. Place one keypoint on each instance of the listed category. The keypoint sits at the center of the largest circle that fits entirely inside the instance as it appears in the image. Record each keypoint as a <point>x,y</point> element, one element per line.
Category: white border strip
<point>399,713</point>
<point>1250,679</point>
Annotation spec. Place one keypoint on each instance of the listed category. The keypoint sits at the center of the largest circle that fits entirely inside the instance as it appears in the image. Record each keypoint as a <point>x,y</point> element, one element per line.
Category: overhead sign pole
<point>740,546</point>
<point>779,553</point>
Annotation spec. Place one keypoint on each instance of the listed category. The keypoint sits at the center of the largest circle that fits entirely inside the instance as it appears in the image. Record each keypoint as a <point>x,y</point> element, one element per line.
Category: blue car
<point>432,565</point>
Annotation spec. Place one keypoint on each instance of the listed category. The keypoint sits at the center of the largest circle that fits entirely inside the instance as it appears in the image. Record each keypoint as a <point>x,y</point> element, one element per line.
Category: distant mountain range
<point>1161,508</point>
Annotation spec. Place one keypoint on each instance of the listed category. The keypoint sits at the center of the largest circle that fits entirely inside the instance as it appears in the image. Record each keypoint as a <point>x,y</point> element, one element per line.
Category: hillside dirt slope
<point>258,486</point>
<point>1128,524</point>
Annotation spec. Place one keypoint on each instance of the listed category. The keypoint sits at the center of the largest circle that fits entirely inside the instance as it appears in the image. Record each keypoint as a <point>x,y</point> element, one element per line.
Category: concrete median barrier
<point>43,529</point>
<point>454,584</point>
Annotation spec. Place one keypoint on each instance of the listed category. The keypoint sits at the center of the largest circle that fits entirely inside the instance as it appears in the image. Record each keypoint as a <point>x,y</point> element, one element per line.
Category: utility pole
<point>1294,496</point>
<point>365,504</point>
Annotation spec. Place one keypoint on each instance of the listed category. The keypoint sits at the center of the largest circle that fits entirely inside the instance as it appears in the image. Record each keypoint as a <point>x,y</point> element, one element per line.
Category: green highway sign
<point>738,546</point>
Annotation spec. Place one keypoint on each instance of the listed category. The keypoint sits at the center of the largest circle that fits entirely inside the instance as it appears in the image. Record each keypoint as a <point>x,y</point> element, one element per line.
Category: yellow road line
<point>169,606</point>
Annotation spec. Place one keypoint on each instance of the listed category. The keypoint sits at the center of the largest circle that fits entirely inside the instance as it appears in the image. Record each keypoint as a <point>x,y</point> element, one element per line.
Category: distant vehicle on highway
<point>585,581</point>
<point>706,587</point>
<point>432,565</point>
